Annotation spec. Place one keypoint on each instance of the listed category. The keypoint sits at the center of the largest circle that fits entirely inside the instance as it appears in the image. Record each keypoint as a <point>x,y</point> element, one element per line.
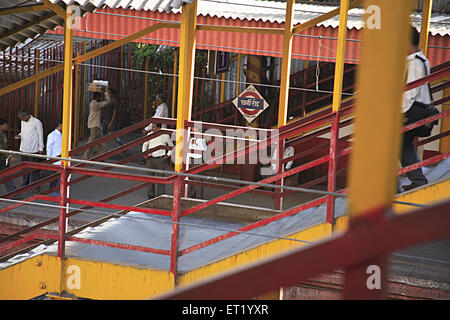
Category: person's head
<point>24,115</point>
<point>159,99</point>
<point>414,39</point>
<point>59,125</point>
<point>97,96</point>
<point>4,125</point>
<point>112,92</point>
<point>156,127</point>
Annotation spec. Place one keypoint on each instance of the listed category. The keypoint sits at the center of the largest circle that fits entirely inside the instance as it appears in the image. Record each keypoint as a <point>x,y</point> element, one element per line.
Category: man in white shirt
<point>418,67</point>
<point>161,111</point>
<point>54,145</point>
<point>157,159</point>
<point>31,138</point>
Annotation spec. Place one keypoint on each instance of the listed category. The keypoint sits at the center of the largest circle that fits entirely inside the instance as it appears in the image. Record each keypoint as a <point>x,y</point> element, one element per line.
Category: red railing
<point>294,131</point>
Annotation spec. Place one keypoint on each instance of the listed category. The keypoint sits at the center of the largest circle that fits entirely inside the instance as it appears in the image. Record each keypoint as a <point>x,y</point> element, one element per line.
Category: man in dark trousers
<point>5,158</point>
<point>418,67</point>
<point>31,138</point>
<point>158,159</point>
<point>110,119</point>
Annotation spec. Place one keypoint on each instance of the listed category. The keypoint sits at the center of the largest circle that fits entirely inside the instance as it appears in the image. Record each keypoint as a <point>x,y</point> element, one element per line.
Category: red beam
<point>118,207</point>
<point>351,248</point>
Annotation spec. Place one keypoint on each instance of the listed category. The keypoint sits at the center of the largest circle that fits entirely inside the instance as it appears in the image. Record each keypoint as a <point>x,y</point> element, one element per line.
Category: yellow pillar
<point>286,64</point>
<point>145,88</point>
<point>186,75</point>
<point>67,94</point>
<point>238,77</point>
<point>340,55</point>
<point>222,87</point>
<point>373,166</point>
<point>36,84</point>
<point>425,25</point>
<point>174,83</point>
<point>76,107</point>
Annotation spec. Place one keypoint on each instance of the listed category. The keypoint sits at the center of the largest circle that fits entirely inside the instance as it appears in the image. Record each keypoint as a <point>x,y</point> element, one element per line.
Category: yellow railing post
<point>378,120</point>
<point>340,55</point>
<point>425,25</point>
<point>36,84</point>
<point>286,64</point>
<point>67,92</point>
<point>284,85</point>
<point>174,82</point>
<point>186,75</point>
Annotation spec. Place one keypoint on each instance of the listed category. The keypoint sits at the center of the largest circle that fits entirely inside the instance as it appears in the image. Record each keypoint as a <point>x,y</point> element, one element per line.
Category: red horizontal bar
<point>28,239</point>
<point>118,207</point>
<point>251,187</point>
<point>360,244</point>
<point>425,121</point>
<point>430,78</point>
<point>435,137</point>
<point>117,175</point>
<point>423,163</point>
<point>255,225</point>
<point>118,245</point>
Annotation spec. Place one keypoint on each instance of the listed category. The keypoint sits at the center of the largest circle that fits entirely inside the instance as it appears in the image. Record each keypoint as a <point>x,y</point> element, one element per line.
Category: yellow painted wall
<point>97,280</point>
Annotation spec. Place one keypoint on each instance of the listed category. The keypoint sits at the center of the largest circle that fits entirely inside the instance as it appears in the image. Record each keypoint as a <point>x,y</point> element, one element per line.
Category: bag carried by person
<point>419,111</point>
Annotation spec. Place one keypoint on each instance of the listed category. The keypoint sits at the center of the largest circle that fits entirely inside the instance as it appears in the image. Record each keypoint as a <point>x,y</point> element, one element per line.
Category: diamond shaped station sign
<point>250,103</point>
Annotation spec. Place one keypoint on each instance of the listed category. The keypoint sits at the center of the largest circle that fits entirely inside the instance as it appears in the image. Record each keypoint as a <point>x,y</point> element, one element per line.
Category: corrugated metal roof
<point>312,44</point>
<point>20,27</point>
<point>152,5</point>
<point>259,10</point>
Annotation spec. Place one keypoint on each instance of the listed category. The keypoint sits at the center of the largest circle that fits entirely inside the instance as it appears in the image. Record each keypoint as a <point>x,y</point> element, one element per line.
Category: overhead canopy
<point>316,43</point>
<point>21,20</point>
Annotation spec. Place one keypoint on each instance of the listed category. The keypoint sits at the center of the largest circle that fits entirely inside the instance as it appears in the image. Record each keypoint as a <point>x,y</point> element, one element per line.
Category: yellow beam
<point>425,25</point>
<point>16,10</point>
<point>85,56</point>
<point>83,87</point>
<point>286,64</point>
<point>67,93</point>
<point>121,42</point>
<point>222,87</point>
<point>145,89</point>
<point>174,81</point>
<point>373,166</point>
<point>340,55</point>
<point>204,27</point>
<point>55,8</point>
<point>238,78</point>
<point>36,84</point>
<point>31,79</point>
<point>76,106</point>
<point>324,17</point>
<point>186,75</point>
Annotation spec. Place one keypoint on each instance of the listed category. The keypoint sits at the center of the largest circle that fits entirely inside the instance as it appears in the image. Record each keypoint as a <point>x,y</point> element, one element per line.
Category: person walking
<point>157,159</point>
<point>4,158</point>
<point>111,116</point>
<point>418,67</point>
<point>31,138</point>
<point>161,111</point>
<point>94,121</point>
<point>54,146</point>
